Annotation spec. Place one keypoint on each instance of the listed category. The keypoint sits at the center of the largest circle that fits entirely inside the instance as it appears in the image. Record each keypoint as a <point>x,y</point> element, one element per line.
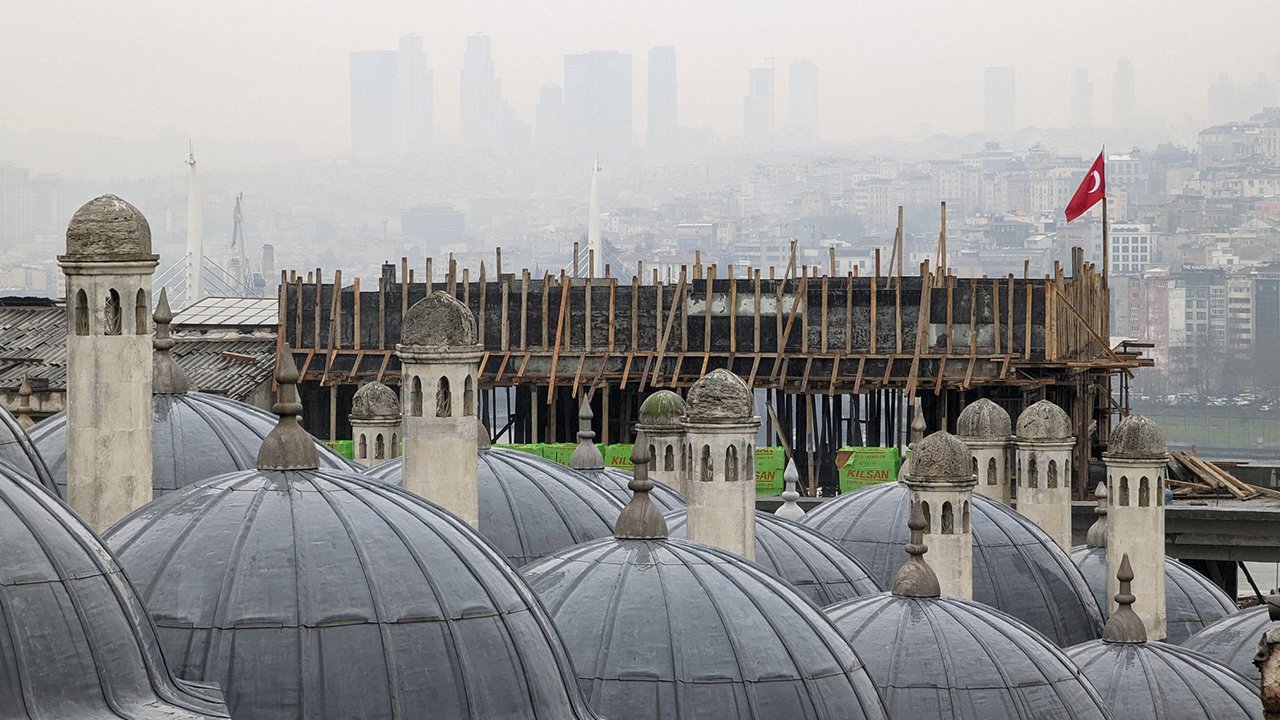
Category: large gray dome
<point>1191,600</point>
<point>530,507</point>
<point>323,594</point>
<point>670,628</point>
<point>194,436</point>
<point>1158,681</point>
<point>944,657</point>
<point>1016,567</point>
<point>77,644</point>
<point>815,566</point>
<point>21,454</point>
<point>1233,640</point>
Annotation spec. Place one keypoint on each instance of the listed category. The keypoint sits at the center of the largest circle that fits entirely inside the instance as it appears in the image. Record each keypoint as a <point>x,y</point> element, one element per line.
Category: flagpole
<point>1106,244</point>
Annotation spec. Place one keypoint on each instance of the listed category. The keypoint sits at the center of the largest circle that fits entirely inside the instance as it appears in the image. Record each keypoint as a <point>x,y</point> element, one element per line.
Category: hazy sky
<point>273,69</point>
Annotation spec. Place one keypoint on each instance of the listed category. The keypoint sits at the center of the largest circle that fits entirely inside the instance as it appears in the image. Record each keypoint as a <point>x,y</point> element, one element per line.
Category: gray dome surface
<point>530,507</point>
<point>813,565</point>
<point>984,420</point>
<point>323,594</point>
<point>1137,437</point>
<point>662,409</point>
<point>1233,640</point>
<point>614,482</point>
<point>1164,682</point>
<point>108,228</point>
<point>670,628</point>
<point>1192,601</point>
<point>194,436</point>
<point>1044,420</point>
<point>1016,567</point>
<point>17,450</point>
<point>375,401</point>
<point>77,643</point>
<point>944,657</point>
<point>438,320</point>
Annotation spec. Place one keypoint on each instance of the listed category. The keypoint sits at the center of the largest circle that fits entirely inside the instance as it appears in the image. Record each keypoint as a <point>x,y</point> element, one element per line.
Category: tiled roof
<point>228,312</point>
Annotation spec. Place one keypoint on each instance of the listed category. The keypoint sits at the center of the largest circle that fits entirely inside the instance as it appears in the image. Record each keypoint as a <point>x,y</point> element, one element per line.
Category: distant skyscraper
<point>757,108</point>
<point>597,101</point>
<point>802,92</point>
<point>372,79</point>
<point>411,100</point>
<point>1081,99</point>
<point>1231,102</point>
<point>481,96</point>
<point>1123,96</point>
<point>999,95</point>
<point>550,132</point>
<point>662,95</point>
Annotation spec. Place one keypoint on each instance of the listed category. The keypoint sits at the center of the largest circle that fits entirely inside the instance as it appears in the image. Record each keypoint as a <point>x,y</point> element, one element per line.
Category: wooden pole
<point>1106,245</point>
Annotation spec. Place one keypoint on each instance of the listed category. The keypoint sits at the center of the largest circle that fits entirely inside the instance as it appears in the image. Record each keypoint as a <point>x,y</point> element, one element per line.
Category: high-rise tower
<point>597,101</point>
<point>802,94</point>
<point>481,110</point>
<point>757,108</point>
<point>411,100</point>
<point>662,96</point>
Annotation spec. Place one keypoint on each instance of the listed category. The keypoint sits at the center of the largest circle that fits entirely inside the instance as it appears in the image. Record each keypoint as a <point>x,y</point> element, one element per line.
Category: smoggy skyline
<point>278,72</point>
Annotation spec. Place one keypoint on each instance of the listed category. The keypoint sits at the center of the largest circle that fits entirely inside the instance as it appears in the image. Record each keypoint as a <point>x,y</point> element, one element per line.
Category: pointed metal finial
<point>918,425</point>
<point>790,509</point>
<point>916,578</point>
<point>1124,625</point>
<point>1097,537</point>
<point>167,377</point>
<point>288,446</point>
<point>640,519</point>
<point>586,456</point>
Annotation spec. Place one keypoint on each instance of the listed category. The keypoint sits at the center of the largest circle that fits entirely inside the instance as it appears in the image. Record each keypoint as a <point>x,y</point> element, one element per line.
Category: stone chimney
<point>1044,445</point>
<point>1135,461</point>
<point>987,429</point>
<point>375,424</point>
<point>941,482</point>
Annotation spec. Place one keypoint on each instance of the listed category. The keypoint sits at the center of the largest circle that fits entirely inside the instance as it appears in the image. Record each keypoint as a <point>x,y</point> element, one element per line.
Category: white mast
<point>595,248</point>
<point>238,240</point>
<point>195,235</point>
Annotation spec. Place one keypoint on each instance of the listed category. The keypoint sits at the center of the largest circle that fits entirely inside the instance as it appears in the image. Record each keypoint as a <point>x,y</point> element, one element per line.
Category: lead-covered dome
<point>1233,640</point>
<point>77,642</point>
<point>194,436</point>
<point>1160,681</point>
<point>662,409</point>
<point>1044,420</point>
<point>375,401</point>
<point>1016,567</point>
<point>438,320</point>
<point>17,450</point>
<point>805,559</point>
<point>984,420</point>
<point>1138,438</point>
<point>588,461</point>
<point>718,396</point>
<point>108,228</point>
<point>530,507</point>
<point>1192,601</point>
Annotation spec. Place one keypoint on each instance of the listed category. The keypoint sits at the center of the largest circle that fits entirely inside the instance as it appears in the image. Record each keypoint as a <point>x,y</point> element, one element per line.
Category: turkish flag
<point>1092,189</point>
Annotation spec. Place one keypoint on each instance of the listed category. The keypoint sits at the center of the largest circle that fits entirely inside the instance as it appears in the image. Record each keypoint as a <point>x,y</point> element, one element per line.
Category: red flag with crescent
<point>1092,189</point>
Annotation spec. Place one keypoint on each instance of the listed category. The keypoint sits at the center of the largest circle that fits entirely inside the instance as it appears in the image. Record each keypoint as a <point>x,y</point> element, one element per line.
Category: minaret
<point>941,483</point>
<point>987,429</point>
<point>440,357</point>
<point>660,415</point>
<point>720,463</point>
<point>1135,460</point>
<point>595,245</point>
<point>790,509</point>
<point>375,424</point>
<point>195,234</point>
<point>1044,445</point>
<point>108,268</point>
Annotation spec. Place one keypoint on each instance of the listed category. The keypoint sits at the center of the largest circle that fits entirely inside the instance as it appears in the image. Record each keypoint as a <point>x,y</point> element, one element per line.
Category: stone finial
<point>439,320</point>
<point>288,446</point>
<point>916,578</point>
<point>984,420</point>
<point>108,228</point>
<point>720,396</point>
<point>918,425</point>
<point>662,409</point>
<point>1137,438</point>
<point>24,403</point>
<point>1124,625</point>
<point>586,456</point>
<point>790,509</point>
<point>640,519</point>
<point>167,377</point>
<point>482,437</point>
<point>1097,536</point>
<point>1044,420</point>
<point>375,401</point>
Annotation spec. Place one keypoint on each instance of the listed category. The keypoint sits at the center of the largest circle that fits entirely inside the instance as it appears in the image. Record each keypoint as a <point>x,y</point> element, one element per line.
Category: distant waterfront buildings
<point>597,101</point>
<point>999,118</point>
<point>802,93</point>
<point>662,96</point>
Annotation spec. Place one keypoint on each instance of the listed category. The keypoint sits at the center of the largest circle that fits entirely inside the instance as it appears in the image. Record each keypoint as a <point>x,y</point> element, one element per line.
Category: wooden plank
<point>635,314</point>
<point>1026,351</point>
<point>546,311</point>
<point>586,308</point>
<point>676,299</point>
<point>857,380</point>
<point>968,373</point>
<point>951,292</point>
<point>973,322</point>
<point>995,311</point>
<point>502,367</point>
<point>524,364</point>
<point>875,279</point>
<point>524,309</point>
<point>897,316</point>
<point>835,369</point>
<point>942,368</point>
<point>577,377</point>
<point>355,303</point>
<point>801,292</point>
<point>733,311</point>
<point>823,312</point>
<point>555,356</point>
<point>848,313</point>
<point>482,316</point>
<point>706,322</point>
<point>755,345</point>
<point>755,365</point>
<point>626,369</point>
<point>504,339</point>
<point>922,329</point>
<point>382,369</point>
<point>613,288</point>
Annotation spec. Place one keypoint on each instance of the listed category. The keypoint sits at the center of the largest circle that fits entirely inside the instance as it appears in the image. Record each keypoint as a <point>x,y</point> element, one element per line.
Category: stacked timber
<point>1191,477</point>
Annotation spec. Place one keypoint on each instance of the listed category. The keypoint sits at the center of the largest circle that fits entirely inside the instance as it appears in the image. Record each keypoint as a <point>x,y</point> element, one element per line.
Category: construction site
<point>836,360</point>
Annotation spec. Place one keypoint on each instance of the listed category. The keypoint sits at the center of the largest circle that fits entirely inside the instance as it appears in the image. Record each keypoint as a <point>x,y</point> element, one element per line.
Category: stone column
<point>440,358</point>
<point>660,415</point>
<point>986,429</point>
<point>108,268</point>
<point>1044,446</point>
<point>720,463</point>
<point>1135,461</point>
<point>942,484</point>
<point>375,424</point>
